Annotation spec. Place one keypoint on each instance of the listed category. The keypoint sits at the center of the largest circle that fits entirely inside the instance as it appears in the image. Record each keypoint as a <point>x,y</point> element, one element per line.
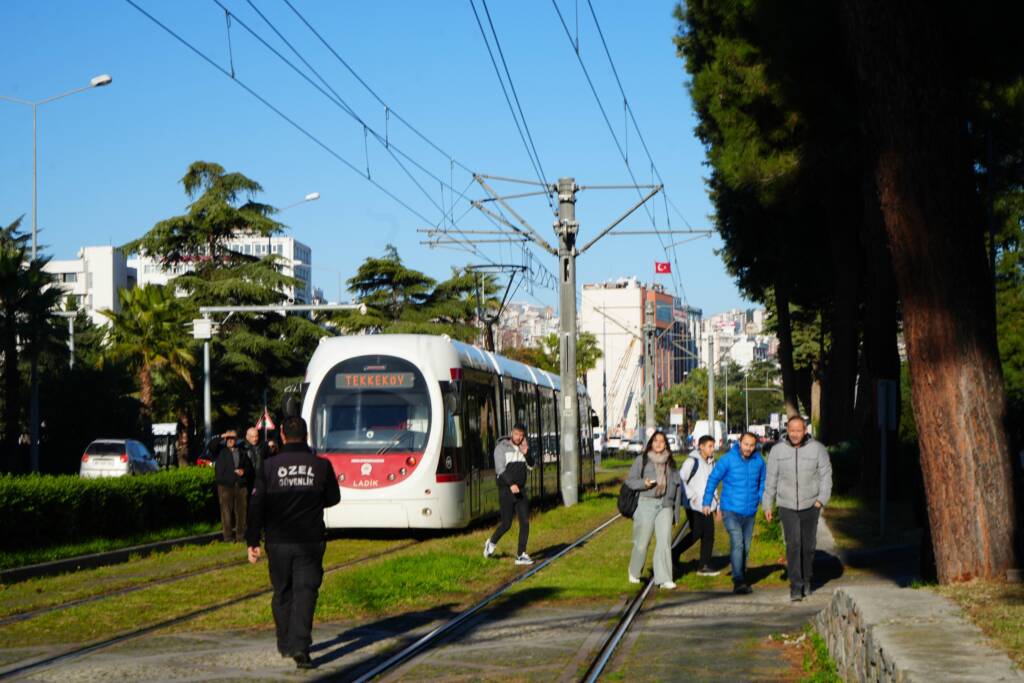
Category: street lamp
<point>94,82</point>
<point>311,197</point>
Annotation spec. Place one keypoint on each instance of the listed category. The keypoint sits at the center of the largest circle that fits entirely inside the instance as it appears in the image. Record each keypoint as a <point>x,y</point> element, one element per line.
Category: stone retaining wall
<point>886,633</point>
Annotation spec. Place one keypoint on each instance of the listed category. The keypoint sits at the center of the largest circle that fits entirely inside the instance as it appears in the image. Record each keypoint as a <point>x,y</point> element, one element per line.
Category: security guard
<point>287,503</point>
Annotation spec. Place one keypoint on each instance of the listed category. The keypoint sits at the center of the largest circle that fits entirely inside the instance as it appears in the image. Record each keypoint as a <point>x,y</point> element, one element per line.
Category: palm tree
<point>149,333</point>
<point>25,305</point>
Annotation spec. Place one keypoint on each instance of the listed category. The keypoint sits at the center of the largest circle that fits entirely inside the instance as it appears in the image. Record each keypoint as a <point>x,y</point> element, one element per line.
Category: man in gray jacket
<point>512,460</point>
<point>800,479</point>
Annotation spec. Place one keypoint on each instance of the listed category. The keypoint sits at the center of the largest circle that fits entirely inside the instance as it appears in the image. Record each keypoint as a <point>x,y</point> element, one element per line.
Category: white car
<point>673,442</point>
<point>116,458</point>
<point>612,445</point>
<point>635,447</point>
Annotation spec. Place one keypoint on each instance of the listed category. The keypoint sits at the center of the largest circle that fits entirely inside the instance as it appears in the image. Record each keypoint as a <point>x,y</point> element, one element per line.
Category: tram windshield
<point>372,404</point>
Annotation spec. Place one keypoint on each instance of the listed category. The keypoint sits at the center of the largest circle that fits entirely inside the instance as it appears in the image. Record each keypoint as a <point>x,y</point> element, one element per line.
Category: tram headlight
<point>391,476</point>
<point>402,471</point>
<point>341,478</point>
<point>411,460</point>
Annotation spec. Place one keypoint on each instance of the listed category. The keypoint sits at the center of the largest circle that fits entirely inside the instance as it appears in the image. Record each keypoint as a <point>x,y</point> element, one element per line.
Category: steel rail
<point>444,629</point>
<point>78,652</point>
<point>610,645</point>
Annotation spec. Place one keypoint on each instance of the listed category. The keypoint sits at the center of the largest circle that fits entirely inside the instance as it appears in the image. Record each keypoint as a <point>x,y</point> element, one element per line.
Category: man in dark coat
<point>234,475</point>
<point>287,506</point>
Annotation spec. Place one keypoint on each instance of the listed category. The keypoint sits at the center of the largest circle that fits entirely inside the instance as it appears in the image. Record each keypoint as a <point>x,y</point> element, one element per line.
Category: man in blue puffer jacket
<point>742,473</point>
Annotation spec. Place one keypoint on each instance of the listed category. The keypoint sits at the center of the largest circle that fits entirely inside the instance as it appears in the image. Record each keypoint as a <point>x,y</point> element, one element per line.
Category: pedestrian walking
<point>800,480</point>
<point>741,472</point>
<point>256,449</point>
<point>694,474</point>
<point>512,461</point>
<point>233,472</point>
<point>655,476</point>
<point>287,508</point>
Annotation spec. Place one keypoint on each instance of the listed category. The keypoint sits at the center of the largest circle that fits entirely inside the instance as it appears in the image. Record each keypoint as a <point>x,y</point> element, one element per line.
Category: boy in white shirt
<point>694,474</point>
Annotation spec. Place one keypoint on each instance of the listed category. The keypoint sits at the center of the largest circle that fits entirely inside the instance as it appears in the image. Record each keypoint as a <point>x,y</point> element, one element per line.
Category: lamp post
<point>311,197</point>
<point>95,82</point>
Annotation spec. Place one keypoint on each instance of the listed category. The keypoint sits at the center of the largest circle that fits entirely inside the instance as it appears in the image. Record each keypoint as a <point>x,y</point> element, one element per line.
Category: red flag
<point>662,267</point>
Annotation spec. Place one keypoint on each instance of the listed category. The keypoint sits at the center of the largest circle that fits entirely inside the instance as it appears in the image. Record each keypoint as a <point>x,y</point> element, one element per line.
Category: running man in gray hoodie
<point>800,479</point>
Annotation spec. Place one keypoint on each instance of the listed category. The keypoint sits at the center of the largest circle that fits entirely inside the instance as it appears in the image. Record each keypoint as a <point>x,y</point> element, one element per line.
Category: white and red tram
<point>409,424</point>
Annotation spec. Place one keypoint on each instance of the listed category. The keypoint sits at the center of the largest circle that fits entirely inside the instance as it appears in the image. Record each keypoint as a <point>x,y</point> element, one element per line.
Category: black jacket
<point>224,464</point>
<point>289,497</point>
<point>257,454</point>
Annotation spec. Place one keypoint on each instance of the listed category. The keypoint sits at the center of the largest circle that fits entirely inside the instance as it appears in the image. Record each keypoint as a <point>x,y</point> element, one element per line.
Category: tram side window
<point>481,423</point>
<point>508,409</point>
<point>549,418</point>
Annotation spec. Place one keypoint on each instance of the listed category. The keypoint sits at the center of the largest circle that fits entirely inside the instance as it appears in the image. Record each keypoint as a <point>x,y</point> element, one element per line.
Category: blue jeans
<point>741,530</point>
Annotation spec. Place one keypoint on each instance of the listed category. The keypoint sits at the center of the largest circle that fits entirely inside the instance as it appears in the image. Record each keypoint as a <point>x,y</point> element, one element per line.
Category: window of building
<point>69,277</point>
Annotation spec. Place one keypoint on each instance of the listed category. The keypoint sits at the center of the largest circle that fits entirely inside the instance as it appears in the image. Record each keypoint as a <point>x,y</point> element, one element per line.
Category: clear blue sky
<point>110,159</point>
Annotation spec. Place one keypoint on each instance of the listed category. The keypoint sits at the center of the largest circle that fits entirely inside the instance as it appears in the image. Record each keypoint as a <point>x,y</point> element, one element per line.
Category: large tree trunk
<point>12,400</point>
<point>844,324</point>
<point>912,99</point>
<point>182,442</point>
<point>785,332</point>
<point>880,357</point>
<point>146,401</point>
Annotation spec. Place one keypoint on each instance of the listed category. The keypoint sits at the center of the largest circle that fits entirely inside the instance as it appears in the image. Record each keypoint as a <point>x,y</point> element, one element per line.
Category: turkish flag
<point>662,267</point>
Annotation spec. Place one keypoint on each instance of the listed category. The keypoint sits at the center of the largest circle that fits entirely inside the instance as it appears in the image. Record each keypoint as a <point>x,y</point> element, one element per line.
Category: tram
<point>409,424</point>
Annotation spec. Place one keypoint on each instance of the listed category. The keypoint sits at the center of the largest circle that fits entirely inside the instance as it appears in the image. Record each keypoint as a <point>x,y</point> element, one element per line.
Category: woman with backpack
<point>656,479</point>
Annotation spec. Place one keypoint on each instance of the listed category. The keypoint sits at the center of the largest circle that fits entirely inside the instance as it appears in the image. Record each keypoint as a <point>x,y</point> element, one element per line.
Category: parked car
<point>612,445</point>
<point>116,458</point>
<point>598,440</point>
<point>635,447</point>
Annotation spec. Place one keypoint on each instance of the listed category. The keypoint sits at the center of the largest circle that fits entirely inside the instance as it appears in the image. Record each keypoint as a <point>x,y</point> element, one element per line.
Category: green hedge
<point>41,510</point>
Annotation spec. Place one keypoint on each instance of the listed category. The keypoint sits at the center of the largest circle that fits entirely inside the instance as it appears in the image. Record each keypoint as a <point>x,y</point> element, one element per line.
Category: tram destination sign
<point>374,380</point>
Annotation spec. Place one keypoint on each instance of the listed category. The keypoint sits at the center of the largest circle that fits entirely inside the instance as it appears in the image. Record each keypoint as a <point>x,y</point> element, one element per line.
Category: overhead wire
<point>262,100</point>
<point>530,150</point>
<point>389,111</point>
<point>611,130</point>
<point>636,126</point>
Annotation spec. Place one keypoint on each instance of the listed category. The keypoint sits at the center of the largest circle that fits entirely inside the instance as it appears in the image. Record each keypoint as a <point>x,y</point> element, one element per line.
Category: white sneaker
<point>489,548</point>
<point>707,571</point>
<point>633,579</point>
<point>523,558</point>
<point>668,585</point>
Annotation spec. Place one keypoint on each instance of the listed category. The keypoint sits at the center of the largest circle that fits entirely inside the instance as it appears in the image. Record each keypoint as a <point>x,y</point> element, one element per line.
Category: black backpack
<point>628,497</point>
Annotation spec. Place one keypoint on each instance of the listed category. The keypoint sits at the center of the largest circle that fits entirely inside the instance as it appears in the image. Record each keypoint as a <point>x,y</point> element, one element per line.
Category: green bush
<point>42,510</point>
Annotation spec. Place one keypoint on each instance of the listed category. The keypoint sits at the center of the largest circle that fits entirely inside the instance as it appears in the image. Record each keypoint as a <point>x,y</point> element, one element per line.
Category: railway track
<point>611,643</point>
<point>49,661</point>
<point>106,558</point>
<point>438,635</point>
<point>39,611</point>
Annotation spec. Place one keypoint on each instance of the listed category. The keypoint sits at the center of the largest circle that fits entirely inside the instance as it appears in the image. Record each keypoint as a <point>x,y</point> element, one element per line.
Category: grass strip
<point>442,573</point>
<point>818,664</point>
<point>22,558</point>
<point>102,619</point>
<point>855,523</point>
<point>49,591</point>
<point>996,608</point>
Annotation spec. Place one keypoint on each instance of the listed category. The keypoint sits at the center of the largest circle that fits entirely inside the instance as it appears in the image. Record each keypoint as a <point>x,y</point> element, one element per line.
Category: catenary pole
<point>649,370</point>
<point>566,227</point>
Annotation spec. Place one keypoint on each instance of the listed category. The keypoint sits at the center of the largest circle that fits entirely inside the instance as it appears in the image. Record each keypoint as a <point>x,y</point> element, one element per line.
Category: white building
<point>94,279</point>
<point>523,324</point>
<point>294,259</point>
<point>739,335</point>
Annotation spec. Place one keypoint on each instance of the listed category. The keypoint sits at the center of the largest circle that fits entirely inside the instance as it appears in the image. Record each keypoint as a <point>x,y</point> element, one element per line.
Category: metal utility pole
<point>650,387</point>
<point>746,402</point>
<point>566,227</point>
<point>604,375</point>
<point>711,387</point>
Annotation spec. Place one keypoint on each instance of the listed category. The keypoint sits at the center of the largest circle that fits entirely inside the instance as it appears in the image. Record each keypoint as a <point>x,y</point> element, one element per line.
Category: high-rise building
<point>294,260</point>
<point>94,279</point>
<point>615,313</point>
